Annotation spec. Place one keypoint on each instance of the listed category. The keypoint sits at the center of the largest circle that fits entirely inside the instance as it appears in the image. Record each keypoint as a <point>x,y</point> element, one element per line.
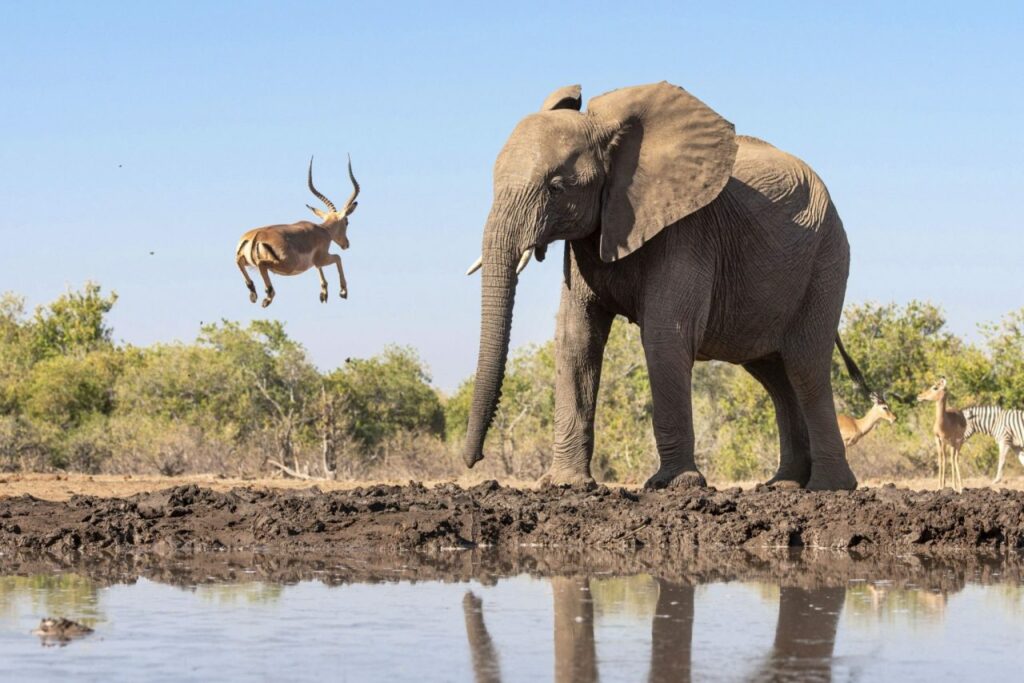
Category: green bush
<point>246,399</point>
<point>387,394</point>
<point>67,391</point>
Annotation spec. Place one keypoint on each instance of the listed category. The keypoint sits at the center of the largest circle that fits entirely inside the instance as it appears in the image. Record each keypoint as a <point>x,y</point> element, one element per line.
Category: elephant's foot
<point>784,484</point>
<point>668,478</point>
<point>832,477</point>
<point>567,477</point>
<point>789,478</point>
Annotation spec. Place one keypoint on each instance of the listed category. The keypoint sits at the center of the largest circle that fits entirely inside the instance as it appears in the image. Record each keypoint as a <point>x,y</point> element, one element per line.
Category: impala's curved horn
<point>355,185</point>
<point>313,189</point>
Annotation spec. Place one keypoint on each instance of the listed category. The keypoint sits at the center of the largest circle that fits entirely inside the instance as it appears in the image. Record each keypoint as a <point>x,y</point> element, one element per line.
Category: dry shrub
<point>24,446</point>
<point>412,455</point>
<point>149,445</point>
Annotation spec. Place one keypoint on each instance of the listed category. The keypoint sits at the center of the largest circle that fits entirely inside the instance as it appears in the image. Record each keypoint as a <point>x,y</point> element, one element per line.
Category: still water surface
<point>634,627</point>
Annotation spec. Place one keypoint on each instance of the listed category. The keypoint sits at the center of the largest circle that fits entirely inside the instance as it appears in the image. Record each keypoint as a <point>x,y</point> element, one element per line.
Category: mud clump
<point>60,631</point>
<point>413,517</point>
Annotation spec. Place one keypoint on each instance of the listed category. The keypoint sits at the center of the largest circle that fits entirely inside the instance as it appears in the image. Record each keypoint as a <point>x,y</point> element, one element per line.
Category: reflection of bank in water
<point>883,600</point>
<point>69,594</point>
<point>254,593</point>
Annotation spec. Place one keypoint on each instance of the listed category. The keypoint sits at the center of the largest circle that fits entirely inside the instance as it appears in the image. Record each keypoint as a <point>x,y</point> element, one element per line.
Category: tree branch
<point>290,472</point>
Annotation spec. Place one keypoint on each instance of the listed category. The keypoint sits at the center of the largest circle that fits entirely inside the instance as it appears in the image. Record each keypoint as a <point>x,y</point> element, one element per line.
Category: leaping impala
<point>293,249</point>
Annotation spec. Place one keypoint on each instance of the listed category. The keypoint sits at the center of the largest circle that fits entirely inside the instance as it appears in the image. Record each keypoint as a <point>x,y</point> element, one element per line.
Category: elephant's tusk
<point>476,266</point>
<point>524,260</point>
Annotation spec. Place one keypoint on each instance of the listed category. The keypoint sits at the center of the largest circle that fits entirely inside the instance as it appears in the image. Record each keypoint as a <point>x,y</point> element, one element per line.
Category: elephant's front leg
<point>670,358</point>
<point>582,332</point>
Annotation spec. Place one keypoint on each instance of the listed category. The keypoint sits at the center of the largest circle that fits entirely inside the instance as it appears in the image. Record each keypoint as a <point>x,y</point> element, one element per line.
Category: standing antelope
<point>854,429</point>
<point>1005,426</point>
<point>949,429</point>
<point>293,249</point>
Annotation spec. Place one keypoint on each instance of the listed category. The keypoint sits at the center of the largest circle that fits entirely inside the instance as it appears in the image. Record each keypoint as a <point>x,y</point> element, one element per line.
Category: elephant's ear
<point>569,97</point>
<point>669,155</point>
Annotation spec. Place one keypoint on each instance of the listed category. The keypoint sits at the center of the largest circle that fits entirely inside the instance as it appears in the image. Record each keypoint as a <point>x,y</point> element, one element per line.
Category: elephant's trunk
<point>497,296</point>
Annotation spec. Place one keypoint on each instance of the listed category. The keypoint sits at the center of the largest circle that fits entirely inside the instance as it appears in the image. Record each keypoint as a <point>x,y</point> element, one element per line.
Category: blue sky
<point>174,127</point>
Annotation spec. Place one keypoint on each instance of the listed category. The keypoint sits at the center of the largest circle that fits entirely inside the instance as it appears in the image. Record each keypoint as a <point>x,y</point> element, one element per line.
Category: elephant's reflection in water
<point>485,658</point>
<point>671,633</point>
<point>804,634</point>
<point>575,655</point>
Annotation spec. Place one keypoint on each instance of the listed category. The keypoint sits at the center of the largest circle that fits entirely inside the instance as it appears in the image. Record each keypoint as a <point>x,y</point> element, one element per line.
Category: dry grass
<point>63,486</point>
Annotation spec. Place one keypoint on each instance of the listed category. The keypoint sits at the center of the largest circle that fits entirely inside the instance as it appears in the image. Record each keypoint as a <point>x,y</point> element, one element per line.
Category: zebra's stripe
<point>1005,426</point>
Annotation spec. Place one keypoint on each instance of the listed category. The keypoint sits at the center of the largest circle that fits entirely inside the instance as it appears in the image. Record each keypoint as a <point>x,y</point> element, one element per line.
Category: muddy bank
<point>412,517</point>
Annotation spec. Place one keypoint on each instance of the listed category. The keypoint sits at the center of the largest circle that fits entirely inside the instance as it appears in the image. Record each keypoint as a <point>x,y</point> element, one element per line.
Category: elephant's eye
<point>556,185</point>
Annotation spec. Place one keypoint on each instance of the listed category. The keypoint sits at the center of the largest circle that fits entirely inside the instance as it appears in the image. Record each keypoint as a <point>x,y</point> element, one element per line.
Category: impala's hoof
<point>266,302</point>
<point>323,297</point>
<point>343,294</point>
<point>252,297</point>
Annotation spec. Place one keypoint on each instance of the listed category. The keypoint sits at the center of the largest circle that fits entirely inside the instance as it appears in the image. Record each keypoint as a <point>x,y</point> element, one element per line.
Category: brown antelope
<point>854,429</point>
<point>293,249</point>
<point>949,429</point>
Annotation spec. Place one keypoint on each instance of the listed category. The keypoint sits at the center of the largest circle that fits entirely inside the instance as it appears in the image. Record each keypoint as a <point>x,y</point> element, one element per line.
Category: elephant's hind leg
<point>794,445</point>
<point>812,386</point>
<point>807,349</point>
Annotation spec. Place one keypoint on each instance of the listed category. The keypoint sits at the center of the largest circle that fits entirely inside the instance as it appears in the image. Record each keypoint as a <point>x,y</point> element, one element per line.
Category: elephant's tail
<point>851,367</point>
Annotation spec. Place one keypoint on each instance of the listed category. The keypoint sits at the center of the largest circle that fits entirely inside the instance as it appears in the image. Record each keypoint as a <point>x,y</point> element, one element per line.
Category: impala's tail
<point>851,367</point>
<point>247,255</point>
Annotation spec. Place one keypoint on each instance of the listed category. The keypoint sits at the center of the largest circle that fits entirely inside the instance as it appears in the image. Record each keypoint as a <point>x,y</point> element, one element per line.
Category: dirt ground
<point>296,518</point>
<point>64,486</point>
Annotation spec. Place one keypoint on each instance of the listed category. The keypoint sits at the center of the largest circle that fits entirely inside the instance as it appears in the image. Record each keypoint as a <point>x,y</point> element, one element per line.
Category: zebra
<point>1005,426</point>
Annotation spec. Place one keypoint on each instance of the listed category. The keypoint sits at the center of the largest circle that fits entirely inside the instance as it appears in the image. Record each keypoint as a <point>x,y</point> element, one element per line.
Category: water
<point>471,617</point>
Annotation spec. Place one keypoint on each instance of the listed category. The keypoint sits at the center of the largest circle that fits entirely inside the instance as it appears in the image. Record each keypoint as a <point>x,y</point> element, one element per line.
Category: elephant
<point>719,246</point>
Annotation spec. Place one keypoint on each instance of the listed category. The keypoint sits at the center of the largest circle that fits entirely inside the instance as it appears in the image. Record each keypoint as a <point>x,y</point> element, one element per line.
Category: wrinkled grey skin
<point>719,246</point>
